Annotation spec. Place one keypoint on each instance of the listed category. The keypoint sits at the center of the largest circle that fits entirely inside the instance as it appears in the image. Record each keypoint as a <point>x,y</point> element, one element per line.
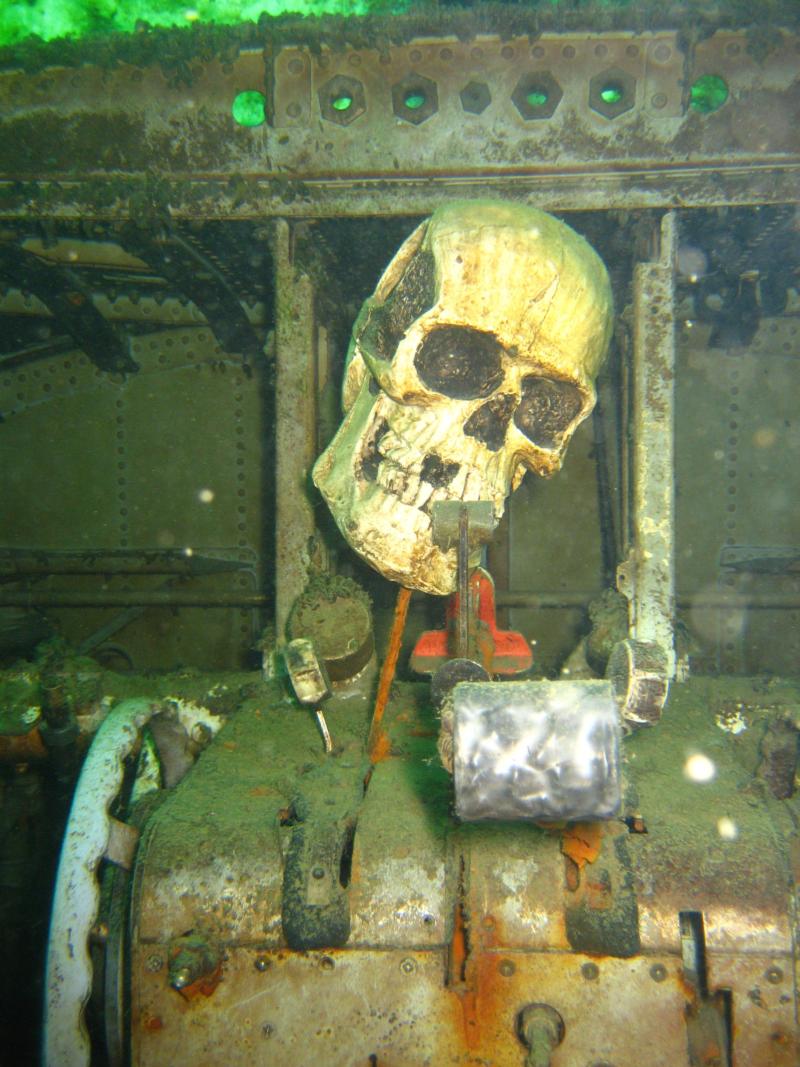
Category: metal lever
<point>309,680</point>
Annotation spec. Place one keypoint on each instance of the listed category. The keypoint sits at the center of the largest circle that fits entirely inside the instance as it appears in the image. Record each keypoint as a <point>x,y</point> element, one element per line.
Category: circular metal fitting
<point>408,966</point>
<point>536,95</point>
<point>658,972</point>
<point>612,92</point>
<point>415,98</point>
<point>475,97</point>
<point>774,975</point>
<point>590,971</point>
<point>342,100</point>
<point>506,968</point>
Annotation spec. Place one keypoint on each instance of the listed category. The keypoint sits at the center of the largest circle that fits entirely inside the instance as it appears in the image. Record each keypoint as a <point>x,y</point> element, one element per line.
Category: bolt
<point>261,963</point>
<point>774,975</point>
<point>408,966</point>
<point>182,978</point>
<point>318,872</point>
<point>658,972</point>
<point>154,962</point>
<point>30,716</point>
<point>590,971</point>
<point>506,968</point>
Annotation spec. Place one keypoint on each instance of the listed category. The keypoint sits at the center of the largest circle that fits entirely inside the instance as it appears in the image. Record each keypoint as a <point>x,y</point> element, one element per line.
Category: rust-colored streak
<point>20,748</point>
<point>581,842</point>
<point>377,744</point>
<point>152,1023</point>
<point>204,986</point>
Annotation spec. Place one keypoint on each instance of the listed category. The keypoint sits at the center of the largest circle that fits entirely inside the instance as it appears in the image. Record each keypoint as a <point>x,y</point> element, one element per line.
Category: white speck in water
<point>727,828</point>
<point>699,768</point>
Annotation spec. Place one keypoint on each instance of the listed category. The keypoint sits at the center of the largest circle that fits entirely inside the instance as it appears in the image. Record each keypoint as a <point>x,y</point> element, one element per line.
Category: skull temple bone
<point>473,362</point>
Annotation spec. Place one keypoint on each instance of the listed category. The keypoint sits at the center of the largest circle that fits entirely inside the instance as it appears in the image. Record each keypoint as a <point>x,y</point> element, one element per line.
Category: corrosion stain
<point>581,842</point>
<point>152,1023</point>
<point>204,986</point>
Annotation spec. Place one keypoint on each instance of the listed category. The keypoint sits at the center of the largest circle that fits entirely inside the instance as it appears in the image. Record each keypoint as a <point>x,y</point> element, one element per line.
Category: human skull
<point>473,361</point>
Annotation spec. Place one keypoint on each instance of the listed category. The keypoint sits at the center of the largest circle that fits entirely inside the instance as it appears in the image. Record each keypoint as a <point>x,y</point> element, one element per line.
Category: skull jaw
<point>393,537</point>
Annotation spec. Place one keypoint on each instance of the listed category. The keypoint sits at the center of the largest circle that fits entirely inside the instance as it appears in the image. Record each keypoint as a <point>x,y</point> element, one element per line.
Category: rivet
<point>326,963</point>
<point>318,872</point>
<point>261,963</point>
<point>590,971</point>
<point>506,968</point>
<point>774,975</point>
<point>658,972</point>
<point>408,966</point>
<point>154,962</point>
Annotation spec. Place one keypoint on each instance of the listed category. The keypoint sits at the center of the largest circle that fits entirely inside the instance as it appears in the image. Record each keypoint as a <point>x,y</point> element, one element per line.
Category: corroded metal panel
<point>514,919</point>
<point>740,455</point>
<point>524,114</point>
<point>169,458</point>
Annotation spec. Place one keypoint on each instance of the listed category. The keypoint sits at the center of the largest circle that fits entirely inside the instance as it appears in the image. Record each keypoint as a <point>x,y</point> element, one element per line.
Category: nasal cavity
<point>489,423</point>
<point>436,472</point>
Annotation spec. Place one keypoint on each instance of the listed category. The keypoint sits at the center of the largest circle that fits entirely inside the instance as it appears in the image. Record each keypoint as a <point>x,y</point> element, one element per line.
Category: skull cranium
<point>472,362</point>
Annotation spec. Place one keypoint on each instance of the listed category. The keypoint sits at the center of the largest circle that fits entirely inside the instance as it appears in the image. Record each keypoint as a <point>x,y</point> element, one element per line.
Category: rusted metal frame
<point>647,577</point>
<point>24,563</point>
<point>295,422</point>
<point>702,185</point>
<point>724,600</point>
<point>70,301</point>
<point>165,598</point>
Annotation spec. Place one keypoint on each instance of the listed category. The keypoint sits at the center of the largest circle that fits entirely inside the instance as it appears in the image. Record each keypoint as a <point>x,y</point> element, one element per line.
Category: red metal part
<point>500,651</point>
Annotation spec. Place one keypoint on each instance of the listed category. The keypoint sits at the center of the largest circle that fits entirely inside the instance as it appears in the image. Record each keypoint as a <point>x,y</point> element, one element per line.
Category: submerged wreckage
<point>509,778</point>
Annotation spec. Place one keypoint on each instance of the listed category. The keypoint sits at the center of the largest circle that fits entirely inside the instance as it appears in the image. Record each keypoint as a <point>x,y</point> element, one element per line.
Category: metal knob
<point>541,1030</point>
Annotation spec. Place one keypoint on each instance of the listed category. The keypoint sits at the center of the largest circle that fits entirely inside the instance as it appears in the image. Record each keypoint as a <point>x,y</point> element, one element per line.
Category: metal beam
<point>295,423</point>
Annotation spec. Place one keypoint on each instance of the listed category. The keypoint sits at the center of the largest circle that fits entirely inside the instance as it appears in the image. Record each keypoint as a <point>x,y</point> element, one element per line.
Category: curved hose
<point>77,892</point>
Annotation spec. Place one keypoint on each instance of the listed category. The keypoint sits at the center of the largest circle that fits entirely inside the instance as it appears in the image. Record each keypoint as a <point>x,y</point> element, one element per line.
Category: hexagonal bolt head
<point>475,97</point>
<point>342,100</point>
<point>415,98</point>
<point>612,92</point>
<point>639,677</point>
<point>537,95</point>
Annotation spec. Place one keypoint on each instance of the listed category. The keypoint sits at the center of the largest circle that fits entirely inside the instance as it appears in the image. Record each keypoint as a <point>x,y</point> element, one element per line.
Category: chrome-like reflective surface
<point>536,750</point>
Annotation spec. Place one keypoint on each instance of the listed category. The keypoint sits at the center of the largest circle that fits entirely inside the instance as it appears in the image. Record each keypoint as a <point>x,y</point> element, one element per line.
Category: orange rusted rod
<point>387,673</point>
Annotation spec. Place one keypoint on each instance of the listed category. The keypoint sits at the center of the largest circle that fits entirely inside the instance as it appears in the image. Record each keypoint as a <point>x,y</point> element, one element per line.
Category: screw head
<point>318,872</point>
<point>506,968</point>
<point>408,966</point>
<point>774,975</point>
<point>658,972</point>
<point>154,962</point>
<point>261,963</point>
<point>590,971</point>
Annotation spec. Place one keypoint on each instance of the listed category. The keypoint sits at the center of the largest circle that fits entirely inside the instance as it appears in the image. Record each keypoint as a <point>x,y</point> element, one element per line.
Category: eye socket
<point>459,362</point>
<point>546,408</point>
<point>413,295</point>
